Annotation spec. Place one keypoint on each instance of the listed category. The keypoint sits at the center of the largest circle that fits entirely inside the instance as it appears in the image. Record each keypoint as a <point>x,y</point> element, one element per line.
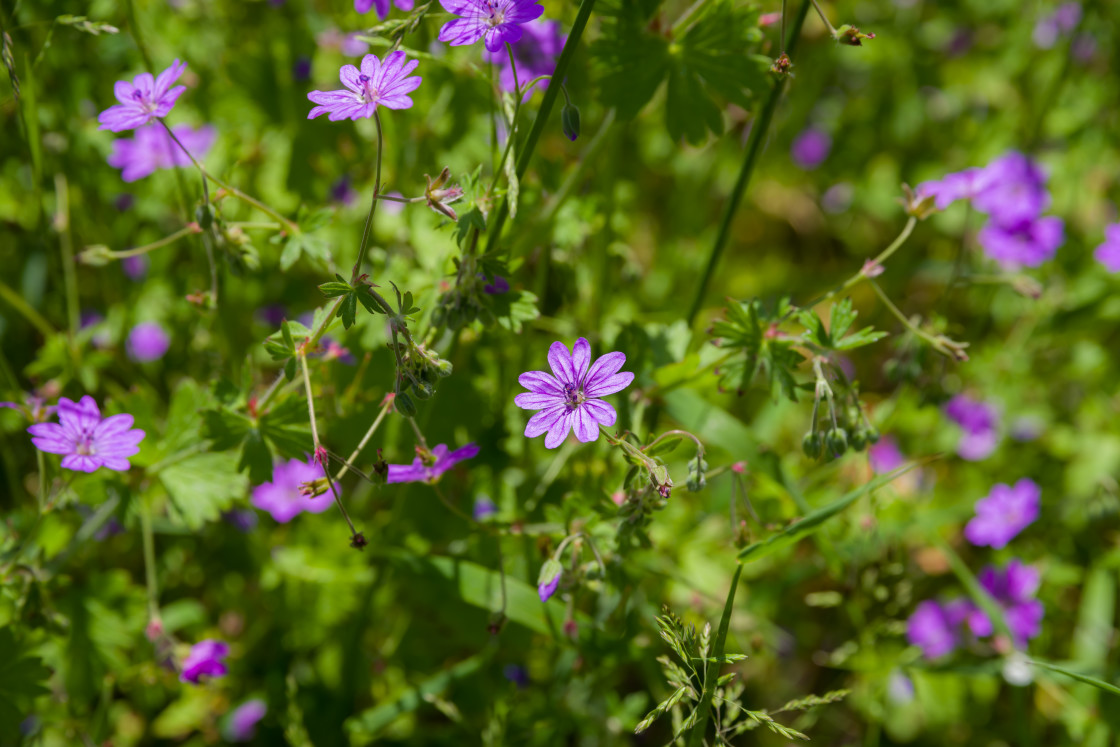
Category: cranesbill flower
<point>484,508</point>
<point>934,626</point>
<point>152,148</point>
<point>282,497</point>
<point>381,6</point>
<point>494,21</point>
<point>570,398</point>
<point>136,267</point>
<point>535,54</point>
<point>147,342</point>
<point>1013,588</point>
<point>429,467</point>
<point>885,455</point>
<point>376,84</point>
<point>1108,253</point>
<point>1026,243</point>
<point>143,100</point>
<point>1055,25</point>
<point>34,409</point>
<point>810,148</point>
<point>85,439</point>
<point>1014,189</point>
<point>242,724</point>
<point>1006,511</point>
<point>978,420</point>
<point>959,185</point>
<point>205,658</point>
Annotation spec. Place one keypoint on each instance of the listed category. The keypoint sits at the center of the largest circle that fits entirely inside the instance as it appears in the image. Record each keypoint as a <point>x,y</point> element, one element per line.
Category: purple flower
<point>810,148</point>
<point>1013,588</point>
<point>495,21</point>
<point>242,724</point>
<point>885,456</point>
<point>483,508</point>
<point>285,497</point>
<point>900,688</point>
<point>516,674</point>
<point>1108,253</point>
<point>934,627</point>
<point>1004,513</point>
<point>342,191</point>
<point>34,409</point>
<point>959,185</point>
<point>1013,189</point>
<point>546,589</point>
<point>243,519</point>
<point>376,84</point>
<point>570,399</point>
<point>978,421</point>
<point>349,44</point>
<point>496,288</point>
<point>143,100</point>
<point>430,467</point>
<point>147,342</point>
<point>1028,243</point>
<point>535,54</point>
<point>301,68</point>
<point>381,6</point>
<point>153,148</point>
<point>205,658</point>
<point>88,441</point>
<point>1052,27</point>
<point>136,267</point>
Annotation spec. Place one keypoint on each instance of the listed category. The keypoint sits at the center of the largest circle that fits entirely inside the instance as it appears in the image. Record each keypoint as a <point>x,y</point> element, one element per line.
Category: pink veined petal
<point>81,463</point>
<point>401,87</point>
<point>607,365</point>
<point>469,451</point>
<point>523,13</point>
<point>332,98</point>
<point>609,385</point>
<point>396,102</point>
<point>53,444</point>
<point>371,66</point>
<point>560,360</point>
<point>559,431</point>
<point>82,416</point>
<point>414,472</point>
<point>123,90</point>
<point>537,401</point>
<point>390,68</point>
<point>348,74</point>
<point>117,464</point>
<point>47,430</point>
<point>601,411</point>
<point>543,421</point>
<point>587,429</point>
<point>167,77</point>
<point>581,358</point>
<point>168,101</point>
<point>496,37</point>
<point>113,425</point>
<point>541,383</point>
<point>460,32</point>
<point>462,7</point>
<point>146,85</point>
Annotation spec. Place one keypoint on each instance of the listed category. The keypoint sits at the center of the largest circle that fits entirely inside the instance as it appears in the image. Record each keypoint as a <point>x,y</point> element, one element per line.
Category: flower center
<point>497,15</point>
<point>369,95</point>
<point>573,396</point>
<point>85,446</point>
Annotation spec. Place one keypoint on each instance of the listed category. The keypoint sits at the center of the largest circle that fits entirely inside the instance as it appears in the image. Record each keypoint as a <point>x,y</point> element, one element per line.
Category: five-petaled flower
<point>1005,512</point>
<point>570,399</point>
<point>376,84</point>
<point>430,466</point>
<point>153,148</point>
<point>143,100</point>
<point>85,439</point>
<point>205,658</point>
<point>495,21</point>
<point>286,496</point>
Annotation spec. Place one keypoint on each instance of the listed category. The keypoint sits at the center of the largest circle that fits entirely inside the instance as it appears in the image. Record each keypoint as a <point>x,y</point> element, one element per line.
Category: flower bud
<point>569,121</point>
<point>811,445</point>
<point>96,255</point>
<point>872,435</point>
<point>549,578</point>
<point>837,441</point>
<point>444,368</point>
<point>405,405</point>
<point>859,439</point>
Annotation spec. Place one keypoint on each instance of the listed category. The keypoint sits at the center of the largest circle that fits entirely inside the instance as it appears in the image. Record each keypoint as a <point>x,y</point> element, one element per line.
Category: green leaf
<point>1087,679</point>
<point>203,486</point>
<point>816,519</point>
<point>471,219</point>
<point>332,288</point>
<point>22,678</point>
<point>348,309</point>
<point>256,458</point>
<point>632,63</point>
<point>512,309</point>
<point>227,429</point>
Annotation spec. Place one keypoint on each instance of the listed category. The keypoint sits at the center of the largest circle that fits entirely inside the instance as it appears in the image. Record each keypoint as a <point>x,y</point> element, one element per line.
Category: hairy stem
<point>372,203</point>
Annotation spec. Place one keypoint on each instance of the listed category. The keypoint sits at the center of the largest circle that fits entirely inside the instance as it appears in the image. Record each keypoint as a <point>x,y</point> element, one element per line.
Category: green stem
<point>365,440</point>
<point>711,672</point>
<point>372,203</point>
<point>512,134</point>
<point>149,559</point>
<point>758,134</point>
<point>62,225</point>
<point>190,228</point>
<point>551,93</point>
<point>42,463</point>
<point>17,302</point>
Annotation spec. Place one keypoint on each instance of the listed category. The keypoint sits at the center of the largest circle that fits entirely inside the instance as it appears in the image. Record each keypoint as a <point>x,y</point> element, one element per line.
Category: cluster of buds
<point>850,35</point>
<point>782,65</point>
<point>419,375</point>
<point>845,426</point>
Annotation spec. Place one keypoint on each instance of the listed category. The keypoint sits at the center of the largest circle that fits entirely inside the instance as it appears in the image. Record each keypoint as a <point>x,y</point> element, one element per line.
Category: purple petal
<point>610,384</point>
<point>541,383</point>
<point>536,401</point>
<point>581,358</point>
<point>559,430</point>
<point>560,360</point>
<point>606,366</point>
<point>601,411</point>
<point>586,427</point>
<point>543,421</point>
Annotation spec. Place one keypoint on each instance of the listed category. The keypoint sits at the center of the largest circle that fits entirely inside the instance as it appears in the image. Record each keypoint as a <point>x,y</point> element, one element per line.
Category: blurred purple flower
<point>496,288</point>
<point>1108,253</point>
<point>494,21</point>
<point>272,314</point>
<point>110,528</point>
<point>243,519</point>
<point>147,342</point>
<point>1053,26</point>
<point>1013,189</point>
<point>381,6</point>
<point>1004,513</point>
<point>1027,428</point>
<point>136,267</point>
<point>376,84</point>
<point>334,351</point>
<point>34,409</point>
<point>124,201</point>
<point>350,45</point>
<point>900,688</point>
<point>483,508</point>
<point>570,399</point>
<point>242,724</point>
<point>1013,588</point>
<point>301,68</point>
<point>810,148</point>
<point>932,629</point>
<point>152,148</point>
<point>85,439</point>
<point>978,420</point>
<point>205,658</point>
<point>837,198</point>
<point>283,499</point>
<point>516,674</point>
<point>548,588</point>
<point>100,337</point>
<point>535,54</point>
<point>959,185</point>
<point>430,467</point>
<point>143,100</point>
<point>885,456</point>
<point>1028,243</point>
<point>342,191</point>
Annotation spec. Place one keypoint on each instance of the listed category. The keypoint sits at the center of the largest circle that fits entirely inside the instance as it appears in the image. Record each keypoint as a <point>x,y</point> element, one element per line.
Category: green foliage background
<point>611,236</point>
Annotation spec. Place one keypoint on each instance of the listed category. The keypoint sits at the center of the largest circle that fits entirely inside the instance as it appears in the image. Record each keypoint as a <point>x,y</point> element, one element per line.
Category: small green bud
<point>569,121</point>
<point>872,434</point>
<point>444,368</point>
<point>837,441</point>
<point>811,445</point>
<point>424,390</point>
<point>859,439</point>
<point>404,404</point>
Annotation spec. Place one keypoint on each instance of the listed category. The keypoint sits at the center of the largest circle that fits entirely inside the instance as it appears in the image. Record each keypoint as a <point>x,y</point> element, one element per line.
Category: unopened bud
<point>837,441</point>
<point>569,121</point>
<point>811,445</point>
